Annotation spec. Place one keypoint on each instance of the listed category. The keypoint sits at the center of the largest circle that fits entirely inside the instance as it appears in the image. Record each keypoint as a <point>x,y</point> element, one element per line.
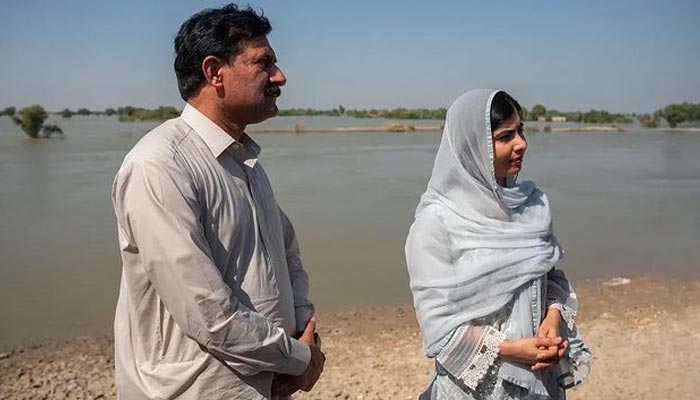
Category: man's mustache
<point>273,90</point>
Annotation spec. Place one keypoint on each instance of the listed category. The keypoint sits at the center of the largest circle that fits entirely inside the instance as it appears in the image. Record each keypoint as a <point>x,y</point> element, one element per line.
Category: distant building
<point>559,119</point>
<point>541,119</point>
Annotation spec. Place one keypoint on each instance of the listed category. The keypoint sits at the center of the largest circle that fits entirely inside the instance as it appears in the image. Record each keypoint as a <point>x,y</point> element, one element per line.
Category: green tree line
<point>537,111</point>
<point>401,113</point>
<point>308,112</point>
<point>590,117</point>
<point>132,114</point>
<point>674,114</point>
<point>396,113</point>
<point>127,113</point>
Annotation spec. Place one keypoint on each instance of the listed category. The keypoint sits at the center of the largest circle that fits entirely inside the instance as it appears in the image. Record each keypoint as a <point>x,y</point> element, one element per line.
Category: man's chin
<point>274,110</point>
<point>268,113</point>
<point>271,102</point>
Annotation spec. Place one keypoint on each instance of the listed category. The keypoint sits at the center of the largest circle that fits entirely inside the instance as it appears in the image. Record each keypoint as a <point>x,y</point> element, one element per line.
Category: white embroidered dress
<point>481,260</point>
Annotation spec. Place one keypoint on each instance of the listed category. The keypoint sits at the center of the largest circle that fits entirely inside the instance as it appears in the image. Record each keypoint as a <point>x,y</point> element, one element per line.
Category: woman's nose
<point>521,143</point>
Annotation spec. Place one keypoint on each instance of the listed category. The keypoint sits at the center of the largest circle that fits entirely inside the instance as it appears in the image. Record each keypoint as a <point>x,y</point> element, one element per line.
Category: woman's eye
<point>507,137</point>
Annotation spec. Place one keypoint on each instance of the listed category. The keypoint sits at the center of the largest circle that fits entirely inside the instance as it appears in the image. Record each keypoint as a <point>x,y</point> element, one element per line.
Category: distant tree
<point>440,113</point>
<point>602,116</point>
<point>31,119</point>
<point>576,116</point>
<point>66,113</point>
<point>9,111</point>
<point>341,109</point>
<point>537,111</point>
<point>678,113</point>
<point>50,130</point>
<point>83,111</point>
<point>648,121</point>
<point>524,114</point>
<point>109,112</point>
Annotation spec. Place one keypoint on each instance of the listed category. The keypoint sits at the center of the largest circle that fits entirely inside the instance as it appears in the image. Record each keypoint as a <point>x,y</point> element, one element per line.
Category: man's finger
<point>312,383</point>
<point>287,383</point>
<point>309,330</point>
<point>285,386</point>
<point>287,391</point>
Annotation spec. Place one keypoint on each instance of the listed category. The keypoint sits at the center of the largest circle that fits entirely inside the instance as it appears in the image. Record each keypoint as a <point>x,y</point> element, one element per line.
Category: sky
<point>622,56</point>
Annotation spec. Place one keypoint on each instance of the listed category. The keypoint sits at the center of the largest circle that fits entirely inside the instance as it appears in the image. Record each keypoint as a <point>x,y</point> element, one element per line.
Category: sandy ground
<point>645,338</point>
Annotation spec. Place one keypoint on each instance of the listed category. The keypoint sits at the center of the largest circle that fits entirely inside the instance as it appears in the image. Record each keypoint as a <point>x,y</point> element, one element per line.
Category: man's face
<point>252,83</point>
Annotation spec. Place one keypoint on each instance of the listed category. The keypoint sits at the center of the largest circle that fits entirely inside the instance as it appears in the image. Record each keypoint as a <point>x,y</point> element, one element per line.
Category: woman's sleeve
<point>561,295</point>
<point>470,352</point>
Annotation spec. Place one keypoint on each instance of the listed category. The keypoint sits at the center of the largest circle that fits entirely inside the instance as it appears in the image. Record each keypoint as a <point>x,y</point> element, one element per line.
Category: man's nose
<point>278,77</point>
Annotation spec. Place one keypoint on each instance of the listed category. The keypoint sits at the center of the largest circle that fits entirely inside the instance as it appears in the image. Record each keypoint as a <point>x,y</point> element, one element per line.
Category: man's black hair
<point>220,32</point>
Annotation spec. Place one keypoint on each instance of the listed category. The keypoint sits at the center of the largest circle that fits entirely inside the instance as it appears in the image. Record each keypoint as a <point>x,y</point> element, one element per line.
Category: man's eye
<point>266,62</point>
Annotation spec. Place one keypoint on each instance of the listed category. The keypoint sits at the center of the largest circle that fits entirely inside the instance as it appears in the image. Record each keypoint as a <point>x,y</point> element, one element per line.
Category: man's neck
<point>216,116</point>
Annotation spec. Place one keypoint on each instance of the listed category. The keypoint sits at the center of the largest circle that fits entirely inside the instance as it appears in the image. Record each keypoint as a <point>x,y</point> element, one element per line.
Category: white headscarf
<point>473,243</point>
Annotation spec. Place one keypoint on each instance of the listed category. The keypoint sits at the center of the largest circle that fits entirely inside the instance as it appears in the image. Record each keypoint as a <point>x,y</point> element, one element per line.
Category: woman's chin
<point>514,171</point>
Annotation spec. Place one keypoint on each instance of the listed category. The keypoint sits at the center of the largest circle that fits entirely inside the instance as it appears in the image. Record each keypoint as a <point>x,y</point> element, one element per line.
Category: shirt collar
<point>216,138</point>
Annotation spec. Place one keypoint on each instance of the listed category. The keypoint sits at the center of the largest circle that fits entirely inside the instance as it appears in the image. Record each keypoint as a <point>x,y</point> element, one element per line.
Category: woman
<point>495,313</point>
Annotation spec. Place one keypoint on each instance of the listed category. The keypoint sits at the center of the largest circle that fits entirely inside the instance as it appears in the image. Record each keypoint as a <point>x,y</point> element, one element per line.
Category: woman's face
<point>509,146</point>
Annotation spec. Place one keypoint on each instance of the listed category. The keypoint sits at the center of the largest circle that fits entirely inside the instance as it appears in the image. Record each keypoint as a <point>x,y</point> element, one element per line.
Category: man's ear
<point>211,68</point>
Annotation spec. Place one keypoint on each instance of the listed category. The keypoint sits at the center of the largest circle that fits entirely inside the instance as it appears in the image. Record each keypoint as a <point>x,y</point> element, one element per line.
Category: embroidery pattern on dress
<point>487,354</point>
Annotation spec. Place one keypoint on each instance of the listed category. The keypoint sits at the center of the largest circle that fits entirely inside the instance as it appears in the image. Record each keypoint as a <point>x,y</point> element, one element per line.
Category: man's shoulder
<point>161,143</point>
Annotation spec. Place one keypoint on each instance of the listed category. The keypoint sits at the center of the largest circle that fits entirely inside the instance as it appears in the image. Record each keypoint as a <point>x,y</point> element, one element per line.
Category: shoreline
<point>636,329</point>
<point>401,128</point>
<point>683,130</point>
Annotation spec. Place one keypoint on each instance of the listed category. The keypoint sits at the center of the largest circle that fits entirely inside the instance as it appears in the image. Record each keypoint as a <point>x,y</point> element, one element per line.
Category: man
<point>212,291</point>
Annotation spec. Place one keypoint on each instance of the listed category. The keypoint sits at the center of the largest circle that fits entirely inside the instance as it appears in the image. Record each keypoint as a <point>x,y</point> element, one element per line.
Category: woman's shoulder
<point>431,217</point>
<point>430,228</point>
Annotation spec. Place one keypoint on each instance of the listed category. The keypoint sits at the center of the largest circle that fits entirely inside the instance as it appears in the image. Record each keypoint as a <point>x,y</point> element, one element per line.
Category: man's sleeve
<point>159,215</point>
<point>303,307</point>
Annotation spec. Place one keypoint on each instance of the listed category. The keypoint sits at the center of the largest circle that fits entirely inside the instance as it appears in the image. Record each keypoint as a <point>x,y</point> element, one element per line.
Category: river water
<point>623,204</point>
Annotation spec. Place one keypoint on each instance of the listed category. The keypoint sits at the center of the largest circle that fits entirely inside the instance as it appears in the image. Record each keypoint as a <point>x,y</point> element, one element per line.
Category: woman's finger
<point>545,355</point>
<point>540,365</point>
<point>563,348</point>
<point>548,342</point>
